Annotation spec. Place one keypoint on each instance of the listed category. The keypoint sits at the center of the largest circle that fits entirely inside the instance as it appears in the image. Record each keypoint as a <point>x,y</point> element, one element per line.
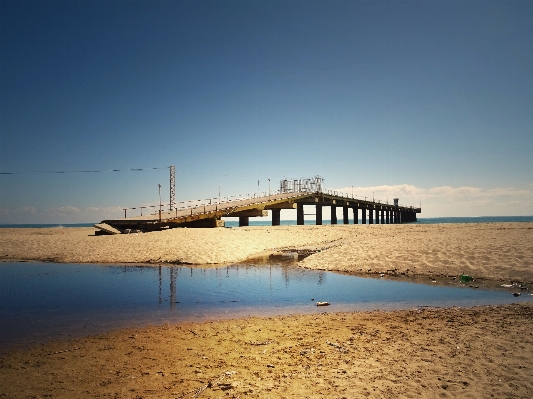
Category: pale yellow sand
<point>488,250</point>
<point>468,353</point>
<point>476,353</point>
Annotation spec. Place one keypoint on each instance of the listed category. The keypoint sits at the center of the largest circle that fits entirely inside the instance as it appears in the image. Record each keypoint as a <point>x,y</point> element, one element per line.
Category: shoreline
<point>485,251</point>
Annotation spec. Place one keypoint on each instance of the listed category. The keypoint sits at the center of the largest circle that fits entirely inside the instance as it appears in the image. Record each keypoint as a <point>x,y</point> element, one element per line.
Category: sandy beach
<point>471,353</point>
<point>500,251</point>
<point>478,352</point>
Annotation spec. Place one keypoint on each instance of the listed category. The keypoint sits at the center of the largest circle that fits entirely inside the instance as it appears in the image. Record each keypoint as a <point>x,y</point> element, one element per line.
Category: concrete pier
<point>333,214</point>
<point>299,213</point>
<point>276,217</point>
<point>318,215</point>
<point>345,215</point>
<point>210,213</point>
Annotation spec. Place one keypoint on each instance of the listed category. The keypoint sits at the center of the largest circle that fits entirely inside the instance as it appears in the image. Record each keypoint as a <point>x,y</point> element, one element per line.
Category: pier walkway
<point>208,213</point>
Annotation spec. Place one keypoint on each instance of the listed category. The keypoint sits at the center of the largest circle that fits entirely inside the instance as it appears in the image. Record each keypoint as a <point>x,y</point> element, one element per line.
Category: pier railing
<point>216,204</point>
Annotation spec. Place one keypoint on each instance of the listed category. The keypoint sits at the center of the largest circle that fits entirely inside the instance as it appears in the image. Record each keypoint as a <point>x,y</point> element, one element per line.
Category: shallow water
<point>41,301</point>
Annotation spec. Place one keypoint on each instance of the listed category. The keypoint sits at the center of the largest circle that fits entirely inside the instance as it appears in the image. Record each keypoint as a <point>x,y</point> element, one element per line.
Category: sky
<point>428,101</point>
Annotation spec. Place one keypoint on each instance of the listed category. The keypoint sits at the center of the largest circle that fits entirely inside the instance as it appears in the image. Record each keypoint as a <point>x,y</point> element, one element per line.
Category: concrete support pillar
<point>276,217</point>
<point>382,216</point>
<point>345,214</point>
<point>299,214</point>
<point>371,216</point>
<point>333,214</point>
<point>363,216</point>
<point>388,216</point>
<point>355,215</point>
<point>377,216</point>
<point>244,221</point>
<point>318,215</point>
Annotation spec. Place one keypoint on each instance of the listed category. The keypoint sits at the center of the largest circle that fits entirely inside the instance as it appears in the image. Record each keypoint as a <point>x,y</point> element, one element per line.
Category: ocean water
<point>481,219</point>
<point>260,222</point>
<point>46,225</point>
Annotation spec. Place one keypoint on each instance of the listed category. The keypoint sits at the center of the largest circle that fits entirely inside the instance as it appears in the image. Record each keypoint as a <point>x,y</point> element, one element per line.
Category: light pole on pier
<point>159,185</point>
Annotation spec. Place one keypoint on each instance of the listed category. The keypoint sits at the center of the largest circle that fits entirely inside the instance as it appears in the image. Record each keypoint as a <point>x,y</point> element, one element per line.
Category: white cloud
<point>453,201</point>
<point>65,210</point>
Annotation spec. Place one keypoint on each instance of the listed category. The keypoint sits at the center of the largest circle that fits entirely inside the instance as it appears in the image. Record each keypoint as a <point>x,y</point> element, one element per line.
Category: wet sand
<point>479,352</point>
<point>475,353</point>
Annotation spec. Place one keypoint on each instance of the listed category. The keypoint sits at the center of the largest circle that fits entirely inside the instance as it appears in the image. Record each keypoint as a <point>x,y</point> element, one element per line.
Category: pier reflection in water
<point>47,300</point>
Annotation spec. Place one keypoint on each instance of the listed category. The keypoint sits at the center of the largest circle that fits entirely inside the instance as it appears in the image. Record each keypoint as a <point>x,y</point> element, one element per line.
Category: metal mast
<point>172,186</point>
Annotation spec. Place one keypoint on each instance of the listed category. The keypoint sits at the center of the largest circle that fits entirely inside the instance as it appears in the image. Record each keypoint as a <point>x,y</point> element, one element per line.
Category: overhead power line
<point>81,171</point>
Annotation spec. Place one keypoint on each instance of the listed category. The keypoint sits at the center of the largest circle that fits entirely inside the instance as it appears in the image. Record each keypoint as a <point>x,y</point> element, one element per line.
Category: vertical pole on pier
<point>172,186</point>
<point>299,213</point>
<point>355,215</point>
<point>345,215</point>
<point>371,215</point>
<point>318,214</point>
<point>333,214</point>
<point>276,217</point>
<point>244,221</point>
<point>363,215</point>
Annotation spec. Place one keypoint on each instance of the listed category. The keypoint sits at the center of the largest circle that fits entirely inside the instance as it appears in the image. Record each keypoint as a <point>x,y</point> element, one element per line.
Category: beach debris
<point>337,346</point>
<point>507,285</point>
<point>465,278</point>
<point>105,229</point>
<point>259,343</point>
<point>517,293</point>
<point>323,304</point>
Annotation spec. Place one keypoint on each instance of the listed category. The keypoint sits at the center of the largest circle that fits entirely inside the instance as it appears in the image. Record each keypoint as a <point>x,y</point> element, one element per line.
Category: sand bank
<point>502,251</point>
<point>477,353</point>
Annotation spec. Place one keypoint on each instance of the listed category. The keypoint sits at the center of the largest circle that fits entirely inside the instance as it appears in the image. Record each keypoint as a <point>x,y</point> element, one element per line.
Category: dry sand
<point>478,353</point>
<point>502,251</point>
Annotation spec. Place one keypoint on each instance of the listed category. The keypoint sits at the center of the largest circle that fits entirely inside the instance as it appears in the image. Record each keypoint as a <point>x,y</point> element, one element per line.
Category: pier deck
<point>209,214</point>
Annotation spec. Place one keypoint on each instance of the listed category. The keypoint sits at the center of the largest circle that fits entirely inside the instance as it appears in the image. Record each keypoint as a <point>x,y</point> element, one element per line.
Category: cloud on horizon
<point>443,201</point>
<point>63,214</point>
<point>453,201</point>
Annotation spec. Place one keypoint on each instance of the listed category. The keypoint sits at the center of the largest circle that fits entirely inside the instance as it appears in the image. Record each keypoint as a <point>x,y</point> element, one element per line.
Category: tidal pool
<point>41,301</point>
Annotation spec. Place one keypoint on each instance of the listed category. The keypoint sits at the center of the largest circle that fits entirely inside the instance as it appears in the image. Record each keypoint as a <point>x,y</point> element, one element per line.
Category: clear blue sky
<point>430,101</point>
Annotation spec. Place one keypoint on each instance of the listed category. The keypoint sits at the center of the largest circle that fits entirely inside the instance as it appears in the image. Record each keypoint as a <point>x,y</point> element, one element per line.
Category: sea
<point>258,222</point>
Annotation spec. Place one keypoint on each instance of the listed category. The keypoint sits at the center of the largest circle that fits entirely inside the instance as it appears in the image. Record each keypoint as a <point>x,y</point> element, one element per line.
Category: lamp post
<point>268,188</point>
<point>159,185</point>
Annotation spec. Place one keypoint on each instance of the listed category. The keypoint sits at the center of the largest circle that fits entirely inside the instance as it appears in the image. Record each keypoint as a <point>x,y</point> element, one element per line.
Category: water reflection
<point>41,300</point>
